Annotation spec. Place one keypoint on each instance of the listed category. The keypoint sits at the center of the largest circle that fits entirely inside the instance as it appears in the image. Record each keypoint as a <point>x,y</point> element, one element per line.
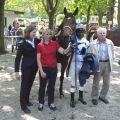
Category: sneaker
<point>40,108</point>
<point>52,107</point>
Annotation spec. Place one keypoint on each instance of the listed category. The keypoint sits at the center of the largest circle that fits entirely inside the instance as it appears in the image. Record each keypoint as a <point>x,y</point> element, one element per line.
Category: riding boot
<point>72,102</point>
<point>61,86</point>
<point>81,99</point>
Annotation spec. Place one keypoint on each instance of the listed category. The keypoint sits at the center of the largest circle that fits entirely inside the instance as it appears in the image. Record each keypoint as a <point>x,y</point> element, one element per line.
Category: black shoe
<point>82,101</point>
<point>29,104</point>
<point>104,100</point>
<point>26,110</point>
<point>40,108</point>
<point>72,104</point>
<point>52,107</point>
<point>94,101</point>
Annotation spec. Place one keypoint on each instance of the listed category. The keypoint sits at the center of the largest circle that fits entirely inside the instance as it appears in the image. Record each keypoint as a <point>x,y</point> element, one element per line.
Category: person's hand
<point>17,76</point>
<point>72,46</point>
<point>43,74</point>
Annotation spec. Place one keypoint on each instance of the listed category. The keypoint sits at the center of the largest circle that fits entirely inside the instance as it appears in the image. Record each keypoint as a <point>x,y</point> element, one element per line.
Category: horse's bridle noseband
<point>68,27</point>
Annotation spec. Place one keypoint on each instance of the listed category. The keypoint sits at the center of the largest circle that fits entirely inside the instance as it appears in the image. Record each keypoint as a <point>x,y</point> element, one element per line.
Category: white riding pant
<point>74,73</point>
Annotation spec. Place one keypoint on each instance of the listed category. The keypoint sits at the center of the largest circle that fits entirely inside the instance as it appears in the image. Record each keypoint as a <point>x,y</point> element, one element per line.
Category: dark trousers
<point>51,79</point>
<point>28,77</point>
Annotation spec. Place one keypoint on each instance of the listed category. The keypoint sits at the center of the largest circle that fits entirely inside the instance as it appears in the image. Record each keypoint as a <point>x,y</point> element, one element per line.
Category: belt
<point>103,60</point>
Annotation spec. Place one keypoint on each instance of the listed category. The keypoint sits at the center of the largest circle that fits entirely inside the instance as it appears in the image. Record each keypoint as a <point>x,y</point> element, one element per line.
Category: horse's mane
<point>60,27</point>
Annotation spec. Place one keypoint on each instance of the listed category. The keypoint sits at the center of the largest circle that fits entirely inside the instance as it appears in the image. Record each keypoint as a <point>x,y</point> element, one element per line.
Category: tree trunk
<point>110,12</point>
<point>51,21</point>
<point>118,17</point>
<point>50,7</point>
<point>2,47</point>
<point>88,17</point>
<point>100,19</point>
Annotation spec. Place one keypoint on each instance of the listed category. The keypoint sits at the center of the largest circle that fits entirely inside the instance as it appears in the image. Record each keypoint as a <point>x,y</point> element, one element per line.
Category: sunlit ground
<point>10,88</point>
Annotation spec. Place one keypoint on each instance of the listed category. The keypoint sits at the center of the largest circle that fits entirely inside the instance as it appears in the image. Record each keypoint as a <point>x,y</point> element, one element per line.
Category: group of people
<point>41,55</point>
<point>13,30</point>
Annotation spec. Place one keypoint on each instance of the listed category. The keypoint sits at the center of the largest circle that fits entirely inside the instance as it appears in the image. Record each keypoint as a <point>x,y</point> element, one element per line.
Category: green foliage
<point>97,6</point>
<point>26,5</point>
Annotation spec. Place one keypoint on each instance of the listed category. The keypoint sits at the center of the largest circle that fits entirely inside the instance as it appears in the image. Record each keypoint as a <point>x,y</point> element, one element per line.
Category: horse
<point>66,29</point>
<point>114,36</point>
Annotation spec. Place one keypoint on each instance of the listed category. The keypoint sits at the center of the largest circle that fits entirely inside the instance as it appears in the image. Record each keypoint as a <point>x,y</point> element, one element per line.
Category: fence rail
<point>14,41</point>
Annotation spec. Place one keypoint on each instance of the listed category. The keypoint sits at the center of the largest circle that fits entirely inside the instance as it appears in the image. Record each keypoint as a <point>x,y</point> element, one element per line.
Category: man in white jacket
<point>103,48</point>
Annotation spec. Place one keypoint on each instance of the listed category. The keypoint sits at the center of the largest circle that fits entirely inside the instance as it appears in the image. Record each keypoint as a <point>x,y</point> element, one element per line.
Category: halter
<point>68,27</point>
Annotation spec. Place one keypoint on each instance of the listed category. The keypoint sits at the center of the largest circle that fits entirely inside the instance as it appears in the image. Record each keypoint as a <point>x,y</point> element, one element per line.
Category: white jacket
<point>94,46</point>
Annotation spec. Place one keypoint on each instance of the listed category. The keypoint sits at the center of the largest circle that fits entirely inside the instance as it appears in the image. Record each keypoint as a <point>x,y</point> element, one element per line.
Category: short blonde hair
<point>45,31</point>
<point>101,29</point>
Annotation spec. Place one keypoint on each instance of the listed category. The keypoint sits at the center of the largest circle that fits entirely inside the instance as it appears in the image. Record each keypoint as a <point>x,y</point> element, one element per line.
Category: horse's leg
<point>61,85</point>
<point>63,67</point>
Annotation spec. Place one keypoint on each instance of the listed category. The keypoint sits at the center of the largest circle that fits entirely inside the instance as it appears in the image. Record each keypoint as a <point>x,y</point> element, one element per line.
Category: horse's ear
<point>76,11</point>
<point>65,11</point>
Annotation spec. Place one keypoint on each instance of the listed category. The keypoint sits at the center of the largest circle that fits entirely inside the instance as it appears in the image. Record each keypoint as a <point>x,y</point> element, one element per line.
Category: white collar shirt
<point>31,42</point>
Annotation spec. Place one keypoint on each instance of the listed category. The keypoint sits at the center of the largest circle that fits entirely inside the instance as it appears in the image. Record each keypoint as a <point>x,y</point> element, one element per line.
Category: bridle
<point>68,27</point>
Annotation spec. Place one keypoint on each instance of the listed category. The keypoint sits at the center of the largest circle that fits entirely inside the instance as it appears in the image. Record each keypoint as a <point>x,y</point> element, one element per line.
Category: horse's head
<point>69,22</point>
<point>67,28</point>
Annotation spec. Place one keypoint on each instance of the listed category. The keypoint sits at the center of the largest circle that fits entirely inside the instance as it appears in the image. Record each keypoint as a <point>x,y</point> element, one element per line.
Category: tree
<point>110,11</point>
<point>118,17</point>
<point>50,7</point>
<point>26,6</point>
<point>101,7</point>
<point>90,9</point>
<point>2,47</point>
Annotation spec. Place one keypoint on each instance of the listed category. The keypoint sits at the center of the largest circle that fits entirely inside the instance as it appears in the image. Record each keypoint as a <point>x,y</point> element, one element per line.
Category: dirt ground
<point>10,88</point>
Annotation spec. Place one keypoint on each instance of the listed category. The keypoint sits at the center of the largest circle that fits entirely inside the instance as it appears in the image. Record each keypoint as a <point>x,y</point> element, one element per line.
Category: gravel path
<point>10,88</point>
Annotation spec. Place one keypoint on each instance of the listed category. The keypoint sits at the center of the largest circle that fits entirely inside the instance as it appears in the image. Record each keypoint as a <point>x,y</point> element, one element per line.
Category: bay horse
<point>66,29</point>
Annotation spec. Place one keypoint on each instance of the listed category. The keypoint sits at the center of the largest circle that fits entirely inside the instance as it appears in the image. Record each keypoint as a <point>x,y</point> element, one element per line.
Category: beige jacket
<point>94,46</point>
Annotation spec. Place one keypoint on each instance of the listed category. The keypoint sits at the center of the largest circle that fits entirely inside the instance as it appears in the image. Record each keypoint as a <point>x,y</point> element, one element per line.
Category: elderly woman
<point>26,54</point>
<point>47,63</point>
<point>103,48</point>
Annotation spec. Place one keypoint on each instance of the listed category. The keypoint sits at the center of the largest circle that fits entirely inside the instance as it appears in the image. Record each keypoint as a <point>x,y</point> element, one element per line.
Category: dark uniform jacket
<point>26,55</point>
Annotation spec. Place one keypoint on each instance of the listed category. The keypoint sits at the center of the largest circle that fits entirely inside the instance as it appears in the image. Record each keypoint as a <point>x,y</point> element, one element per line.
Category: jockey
<point>82,48</point>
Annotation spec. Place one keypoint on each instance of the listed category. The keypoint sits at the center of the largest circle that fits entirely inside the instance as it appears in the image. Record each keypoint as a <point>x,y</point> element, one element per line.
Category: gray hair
<point>101,29</point>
